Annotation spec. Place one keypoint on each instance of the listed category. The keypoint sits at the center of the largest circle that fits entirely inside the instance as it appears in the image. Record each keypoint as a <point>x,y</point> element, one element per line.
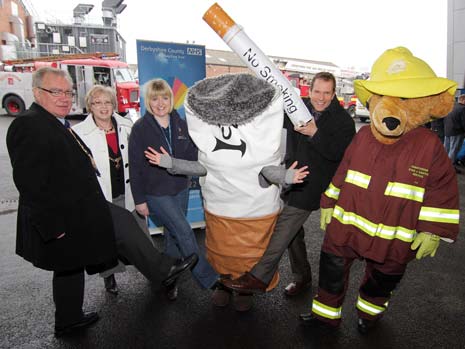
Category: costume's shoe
<point>243,301</point>
<point>86,320</point>
<point>297,287</point>
<point>221,296</point>
<point>110,284</point>
<point>364,326</point>
<point>180,266</point>
<point>246,283</point>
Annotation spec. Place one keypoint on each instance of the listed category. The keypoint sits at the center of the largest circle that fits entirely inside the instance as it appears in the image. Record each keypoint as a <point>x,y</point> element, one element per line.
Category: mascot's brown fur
<point>392,117</point>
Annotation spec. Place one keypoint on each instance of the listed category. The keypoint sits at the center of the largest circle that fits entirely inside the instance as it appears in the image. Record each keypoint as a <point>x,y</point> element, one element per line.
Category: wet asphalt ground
<point>426,311</point>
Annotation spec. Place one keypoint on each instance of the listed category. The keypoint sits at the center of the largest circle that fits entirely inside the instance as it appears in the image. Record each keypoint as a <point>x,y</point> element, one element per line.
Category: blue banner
<point>181,65</point>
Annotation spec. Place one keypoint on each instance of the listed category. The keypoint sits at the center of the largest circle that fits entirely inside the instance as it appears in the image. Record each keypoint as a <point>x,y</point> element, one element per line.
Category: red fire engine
<point>86,70</point>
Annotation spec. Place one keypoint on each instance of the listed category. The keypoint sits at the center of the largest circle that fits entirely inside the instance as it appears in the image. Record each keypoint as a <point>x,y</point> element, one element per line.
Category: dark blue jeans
<point>170,212</point>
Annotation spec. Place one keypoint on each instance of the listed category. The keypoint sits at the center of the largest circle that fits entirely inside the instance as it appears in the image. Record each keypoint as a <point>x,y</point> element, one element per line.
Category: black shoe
<point>364,326</point>
<point>86,320</point>
<point>110,284</point>
<point>171,291</point>
<point>308,319</point>
<point>179,267</point>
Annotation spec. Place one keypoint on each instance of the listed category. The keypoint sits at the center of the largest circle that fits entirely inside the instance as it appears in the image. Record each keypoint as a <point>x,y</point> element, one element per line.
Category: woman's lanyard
<point>167,134</point>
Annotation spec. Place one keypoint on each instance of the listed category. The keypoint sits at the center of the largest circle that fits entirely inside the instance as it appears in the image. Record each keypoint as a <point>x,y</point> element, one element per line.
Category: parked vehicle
<point>298,83</point>
<point>348,101</point>
<point>85,70</point>
<point>361,112</point>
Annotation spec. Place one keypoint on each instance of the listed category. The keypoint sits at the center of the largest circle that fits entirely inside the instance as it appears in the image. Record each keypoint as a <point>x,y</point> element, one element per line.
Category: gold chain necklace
<point>116,161</point>
<point>92,161</point>
<point>108,130</point>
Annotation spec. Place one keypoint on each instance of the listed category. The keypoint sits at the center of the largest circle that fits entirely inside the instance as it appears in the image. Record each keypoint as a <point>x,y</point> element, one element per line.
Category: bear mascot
<point>395,193</point>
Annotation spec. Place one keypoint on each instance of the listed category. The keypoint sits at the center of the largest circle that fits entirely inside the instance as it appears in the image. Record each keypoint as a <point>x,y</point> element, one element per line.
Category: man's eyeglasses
<point>58,93</point>
<point>100,104</point>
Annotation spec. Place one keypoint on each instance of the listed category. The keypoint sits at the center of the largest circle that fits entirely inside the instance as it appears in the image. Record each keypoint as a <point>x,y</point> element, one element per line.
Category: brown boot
<point>246,283</point>
<point>221,297</point>
<point>243,301</point>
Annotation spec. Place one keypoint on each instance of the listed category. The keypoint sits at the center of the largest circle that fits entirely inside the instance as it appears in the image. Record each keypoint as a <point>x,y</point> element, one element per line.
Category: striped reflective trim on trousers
<point>326,311</point>
<point>370,308</point>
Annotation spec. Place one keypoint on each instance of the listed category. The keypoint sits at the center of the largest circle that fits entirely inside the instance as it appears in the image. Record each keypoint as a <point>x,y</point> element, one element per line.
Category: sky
<point>350,34</point>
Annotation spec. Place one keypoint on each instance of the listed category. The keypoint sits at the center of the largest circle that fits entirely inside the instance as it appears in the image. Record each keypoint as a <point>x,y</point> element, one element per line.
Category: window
<point>14,8</point>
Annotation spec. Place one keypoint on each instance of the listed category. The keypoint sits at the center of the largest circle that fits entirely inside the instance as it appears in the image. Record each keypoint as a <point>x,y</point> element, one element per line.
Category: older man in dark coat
<point>64,222</point>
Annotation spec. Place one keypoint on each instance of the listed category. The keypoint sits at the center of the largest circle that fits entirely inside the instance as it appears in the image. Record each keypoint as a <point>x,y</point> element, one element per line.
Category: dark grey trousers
<point>134,246</point>
<point>288,232</point>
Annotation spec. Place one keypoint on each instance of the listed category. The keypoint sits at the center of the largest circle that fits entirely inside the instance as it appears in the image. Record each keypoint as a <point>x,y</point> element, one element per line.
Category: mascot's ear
<point>441,104</point>
<point>372,100</point>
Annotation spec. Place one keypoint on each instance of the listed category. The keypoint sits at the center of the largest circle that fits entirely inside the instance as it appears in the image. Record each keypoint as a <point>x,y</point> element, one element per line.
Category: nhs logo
<point>194,51</point>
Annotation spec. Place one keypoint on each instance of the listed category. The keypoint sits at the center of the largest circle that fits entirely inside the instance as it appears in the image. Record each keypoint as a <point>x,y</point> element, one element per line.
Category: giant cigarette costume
<point>235,37</point>
<point>236,121</point>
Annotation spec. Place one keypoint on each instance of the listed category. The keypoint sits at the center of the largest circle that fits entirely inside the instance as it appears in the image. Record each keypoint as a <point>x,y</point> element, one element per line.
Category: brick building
<point>17,36</point>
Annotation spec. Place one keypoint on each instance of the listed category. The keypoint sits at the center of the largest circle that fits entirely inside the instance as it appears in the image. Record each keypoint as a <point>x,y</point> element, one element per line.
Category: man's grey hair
<point>39,74</point>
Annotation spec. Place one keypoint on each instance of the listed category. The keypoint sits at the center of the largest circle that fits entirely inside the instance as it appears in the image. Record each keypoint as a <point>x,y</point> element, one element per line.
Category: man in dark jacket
<point>64,222</point>
<point>320,145</point>
<point>454,129</point>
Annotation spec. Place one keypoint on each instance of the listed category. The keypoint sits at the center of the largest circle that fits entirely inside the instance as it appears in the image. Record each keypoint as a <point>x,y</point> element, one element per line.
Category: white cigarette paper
<point>235,37</point>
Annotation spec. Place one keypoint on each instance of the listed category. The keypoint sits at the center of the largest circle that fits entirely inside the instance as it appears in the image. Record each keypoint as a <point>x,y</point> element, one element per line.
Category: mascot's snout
<point>391,123</point>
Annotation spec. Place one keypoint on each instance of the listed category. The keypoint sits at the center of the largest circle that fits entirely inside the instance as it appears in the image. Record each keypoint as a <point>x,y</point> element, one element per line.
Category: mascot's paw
<point>325,218</point>
<point>426,243</point>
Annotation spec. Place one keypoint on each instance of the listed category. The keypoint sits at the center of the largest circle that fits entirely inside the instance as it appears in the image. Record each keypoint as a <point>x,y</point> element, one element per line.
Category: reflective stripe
<point>358,178</point>
<point>379,230</point>
<point>441,215</point>
<point>332,192</point>
<point>370,308</point>
<point>326,311</point>
<point>406,191</point>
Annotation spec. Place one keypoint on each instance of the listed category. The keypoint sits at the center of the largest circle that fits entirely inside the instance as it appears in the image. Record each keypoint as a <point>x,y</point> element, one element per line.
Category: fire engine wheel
<point>14,105</point>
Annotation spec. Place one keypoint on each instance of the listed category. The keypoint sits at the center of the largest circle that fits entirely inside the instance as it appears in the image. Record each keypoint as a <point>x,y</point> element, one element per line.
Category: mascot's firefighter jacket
<point>236,121</point>
<point>413,177</point>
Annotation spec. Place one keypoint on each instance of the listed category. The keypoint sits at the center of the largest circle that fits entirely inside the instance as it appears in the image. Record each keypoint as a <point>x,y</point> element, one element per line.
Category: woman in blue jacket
<point>156,192</point>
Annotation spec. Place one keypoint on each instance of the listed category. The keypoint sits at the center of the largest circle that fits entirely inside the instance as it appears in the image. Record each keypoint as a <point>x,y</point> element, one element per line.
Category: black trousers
<point>68,296</point>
